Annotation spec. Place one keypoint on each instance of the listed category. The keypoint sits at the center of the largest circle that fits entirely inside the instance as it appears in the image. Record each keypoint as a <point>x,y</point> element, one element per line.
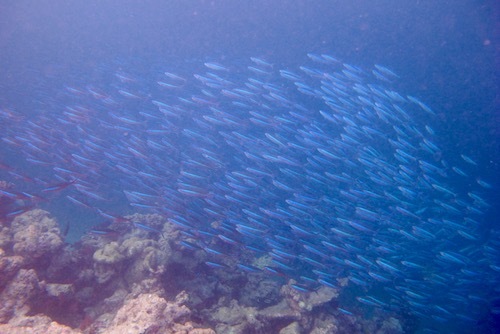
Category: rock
<point>38,324</point>
<point>148,312</point>
<point>293,328</point>
<point>235,314</point>
<point>327,325</point>
<point>14,299</point>
<point>262,292</point>
<point>59,290</point>
<point>138,315</point>
<point>279,311</point>
<point>391,326</point>
<point>9,266</point>
<point>306,301</point>
<point>189,328</point>
<point>235,319</point>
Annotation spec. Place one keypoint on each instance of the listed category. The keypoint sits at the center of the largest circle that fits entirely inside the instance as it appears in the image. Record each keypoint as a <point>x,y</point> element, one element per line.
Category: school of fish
<point>322,167</point>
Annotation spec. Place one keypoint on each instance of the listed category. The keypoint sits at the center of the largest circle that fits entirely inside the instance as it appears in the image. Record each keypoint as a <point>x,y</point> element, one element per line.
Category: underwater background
<point>249,167</point>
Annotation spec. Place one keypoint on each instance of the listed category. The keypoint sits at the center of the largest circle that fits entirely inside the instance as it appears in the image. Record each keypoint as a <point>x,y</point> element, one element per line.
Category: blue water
<point>92,54</point>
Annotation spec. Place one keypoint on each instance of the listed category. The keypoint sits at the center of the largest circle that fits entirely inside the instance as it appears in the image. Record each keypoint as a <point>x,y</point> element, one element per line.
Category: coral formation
<point>307,301</point>
<point>143,280</point>
<point>16,296</point>
<point>38,324</point>
<point>33,241</point>
<point>147,312</point>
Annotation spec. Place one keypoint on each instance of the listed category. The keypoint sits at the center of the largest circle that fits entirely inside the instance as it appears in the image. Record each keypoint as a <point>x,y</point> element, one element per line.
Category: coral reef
<point>138,278</point>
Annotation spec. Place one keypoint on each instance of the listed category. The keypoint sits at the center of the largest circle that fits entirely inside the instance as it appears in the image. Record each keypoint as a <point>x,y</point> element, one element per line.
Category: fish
<point>216,66</point>
<point>321,165</point>
<point>58,187</point>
